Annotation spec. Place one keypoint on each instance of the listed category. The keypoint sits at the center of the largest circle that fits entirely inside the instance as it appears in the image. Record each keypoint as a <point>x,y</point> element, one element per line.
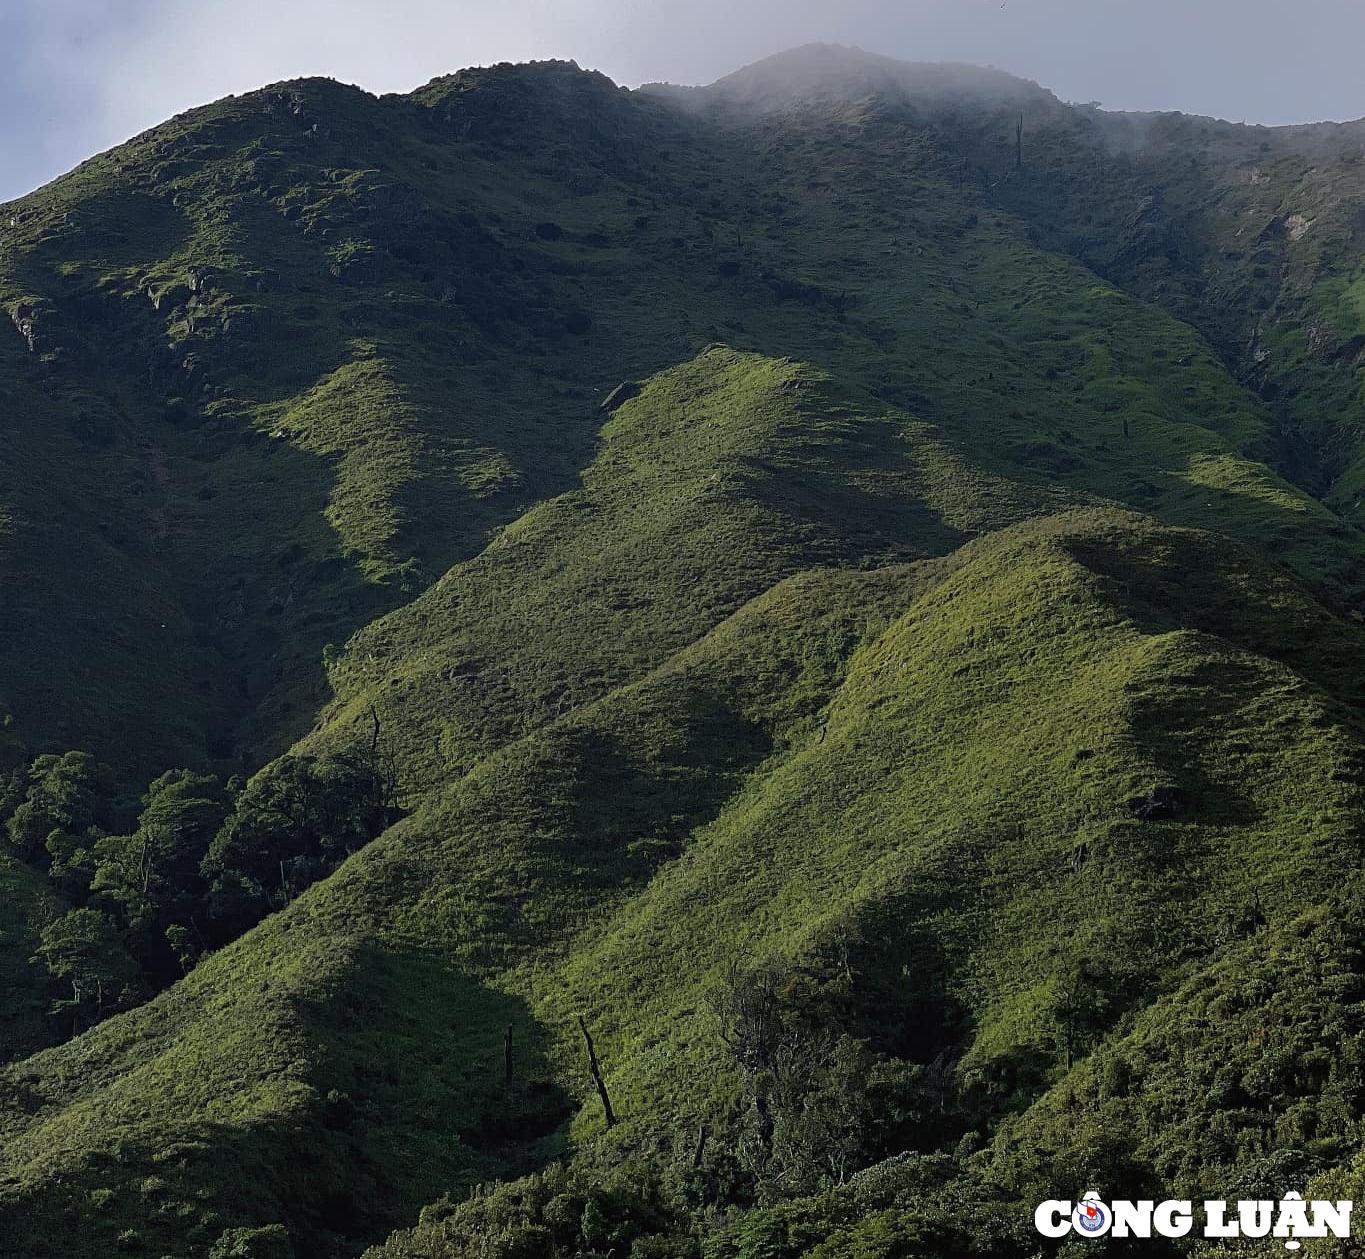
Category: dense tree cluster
<point>150,886</point>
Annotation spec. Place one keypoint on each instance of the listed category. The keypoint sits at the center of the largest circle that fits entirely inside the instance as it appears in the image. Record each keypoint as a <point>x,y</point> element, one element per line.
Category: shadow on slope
<point>254,1094</point>
<point>984,777</point>
<point>957,852</point>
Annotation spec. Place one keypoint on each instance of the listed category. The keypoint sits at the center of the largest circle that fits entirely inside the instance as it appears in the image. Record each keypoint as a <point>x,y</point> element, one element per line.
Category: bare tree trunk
<point>702,1133</point>
<point>596,1072</point>
<point>145,864</point>
<point>507,1054</point>
<point>1019,144</point>
<point>765,1123</point>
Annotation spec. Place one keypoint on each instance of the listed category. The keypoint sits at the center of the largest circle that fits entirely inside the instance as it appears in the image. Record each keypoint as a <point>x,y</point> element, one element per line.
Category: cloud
<point>79,75</point>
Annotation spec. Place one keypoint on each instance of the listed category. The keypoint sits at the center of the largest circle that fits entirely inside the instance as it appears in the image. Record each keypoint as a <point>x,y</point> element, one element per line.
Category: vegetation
<point>897,758</point>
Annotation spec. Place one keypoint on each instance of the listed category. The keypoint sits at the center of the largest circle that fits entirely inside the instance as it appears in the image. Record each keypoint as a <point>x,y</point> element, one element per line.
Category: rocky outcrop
<point>623,392</point>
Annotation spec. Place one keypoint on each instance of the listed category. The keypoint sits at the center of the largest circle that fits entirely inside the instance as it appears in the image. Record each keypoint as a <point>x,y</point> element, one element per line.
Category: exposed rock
<point>172,297</point>
<point>192,368</point>
<point>24,317</point>
<point>37,322</point>
<point>623,392</point>
<point>1297,226</point>
<point>1160,804</point>
<point>1323,341</point>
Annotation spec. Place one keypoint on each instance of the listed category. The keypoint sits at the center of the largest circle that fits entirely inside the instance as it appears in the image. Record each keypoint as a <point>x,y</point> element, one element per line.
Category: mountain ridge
<point>948,644</point>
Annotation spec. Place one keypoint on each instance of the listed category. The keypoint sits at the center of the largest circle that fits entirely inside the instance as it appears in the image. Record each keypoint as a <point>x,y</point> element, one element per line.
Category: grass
<point>940,529</point>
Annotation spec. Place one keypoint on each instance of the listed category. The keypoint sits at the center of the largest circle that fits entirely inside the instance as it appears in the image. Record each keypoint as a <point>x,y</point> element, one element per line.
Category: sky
<point>77,76</point>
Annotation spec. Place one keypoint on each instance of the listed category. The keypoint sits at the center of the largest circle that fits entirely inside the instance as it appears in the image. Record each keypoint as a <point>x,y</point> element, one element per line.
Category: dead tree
<point>703,1131</point>
<point>1019,144</point>
<point>382,763</point>
<point>507,1054</point>
<point>596,1072</point>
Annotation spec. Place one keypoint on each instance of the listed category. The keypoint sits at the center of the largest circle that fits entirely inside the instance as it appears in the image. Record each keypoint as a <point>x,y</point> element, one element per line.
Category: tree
<point>84,948</point>
<point>68,793</point>
<point>296,819</point>
<point>756,1019</point>
<point>749,1008</point>
<point>183,946</point>
<point>152,877</point>
<point>595,1071</point>
<point>270,1242</point>
<point>71,860</point>
<point>818,1104</point>
<point>13,786</point>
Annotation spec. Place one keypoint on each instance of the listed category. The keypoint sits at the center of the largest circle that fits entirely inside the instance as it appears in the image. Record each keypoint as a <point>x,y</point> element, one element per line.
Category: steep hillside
<point>974,875</point>
<point>287,357</point>
<point>851,605</point>
<point>1252,234</point>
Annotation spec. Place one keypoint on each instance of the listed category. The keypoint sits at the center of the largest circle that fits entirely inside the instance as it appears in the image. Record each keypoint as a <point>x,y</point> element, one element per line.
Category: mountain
<point>825,75</point>
<point>836,595</point>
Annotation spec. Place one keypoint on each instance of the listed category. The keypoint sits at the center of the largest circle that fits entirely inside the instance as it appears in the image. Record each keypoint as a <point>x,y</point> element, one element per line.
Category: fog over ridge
<point>78,76</point>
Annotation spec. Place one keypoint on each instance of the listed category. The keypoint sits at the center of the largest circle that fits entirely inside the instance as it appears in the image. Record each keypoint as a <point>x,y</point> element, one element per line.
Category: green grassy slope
<point>953,808</point>
<point>923,832</point>
<point>728,777</point>
<point>1251,234</point>
<point>287,357</point>
<point>705,499</point>
<point>940,535</point>
<point>724,474</point>
<point>281,372</point>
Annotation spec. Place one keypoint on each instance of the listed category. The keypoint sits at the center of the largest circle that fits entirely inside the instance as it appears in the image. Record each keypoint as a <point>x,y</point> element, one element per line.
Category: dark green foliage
<point>83,949</point>
<point>199,867</point>
<point>294,821</point>
<point>562,1211</point>
<point>271,1242</point>
<point>815,1103</point>
<point>151,878</point>
<point>64,799</point>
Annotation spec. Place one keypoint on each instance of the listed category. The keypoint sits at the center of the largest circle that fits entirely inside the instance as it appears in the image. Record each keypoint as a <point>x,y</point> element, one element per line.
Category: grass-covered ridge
<point>912,853</point>
<point>778,790</point>
<point>288,357</point>
<point>909,716</point>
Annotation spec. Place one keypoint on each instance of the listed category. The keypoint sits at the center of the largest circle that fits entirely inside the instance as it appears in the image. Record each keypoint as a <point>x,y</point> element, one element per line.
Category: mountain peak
<point>839,72</point>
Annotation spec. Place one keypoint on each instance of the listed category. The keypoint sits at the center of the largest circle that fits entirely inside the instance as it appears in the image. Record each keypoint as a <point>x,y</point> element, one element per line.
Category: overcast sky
<point>77,76</point>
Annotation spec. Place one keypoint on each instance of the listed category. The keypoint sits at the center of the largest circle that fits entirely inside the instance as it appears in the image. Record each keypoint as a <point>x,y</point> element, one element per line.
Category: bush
<point>270,1242</point>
